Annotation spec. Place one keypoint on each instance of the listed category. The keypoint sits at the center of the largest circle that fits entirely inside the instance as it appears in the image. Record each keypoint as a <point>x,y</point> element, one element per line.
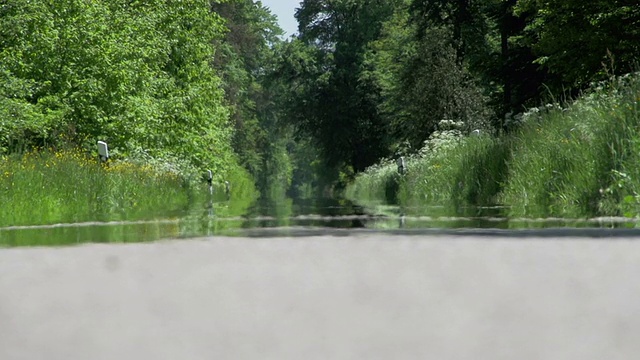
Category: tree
<point>582,41</point>
<point>488,37</point>
<point>247,60</point>
<point>244,56</point>
<point>415,63</point>
<point>136,74</point>
<point>334,104</point>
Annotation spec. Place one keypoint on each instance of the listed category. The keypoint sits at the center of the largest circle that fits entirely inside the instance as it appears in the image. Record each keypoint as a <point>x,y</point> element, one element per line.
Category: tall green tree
<point>247,59</point>
<point>582,41</point>
<point>416,64</point>
<point>136,74</point>
<point>335,105</point>
<point>243,57</point>
<point>521,79</point>
<point>466,19</point>
<point>488,39</point>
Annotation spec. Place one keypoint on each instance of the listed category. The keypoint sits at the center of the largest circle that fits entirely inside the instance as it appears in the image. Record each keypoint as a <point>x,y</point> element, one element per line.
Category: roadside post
<point>210,181</point>
<point>402,166</point>
<point>103,151</point>
<point>209,176</point>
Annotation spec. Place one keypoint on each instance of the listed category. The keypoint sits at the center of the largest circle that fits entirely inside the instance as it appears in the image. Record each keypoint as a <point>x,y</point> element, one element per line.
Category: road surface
<point>360,296</point>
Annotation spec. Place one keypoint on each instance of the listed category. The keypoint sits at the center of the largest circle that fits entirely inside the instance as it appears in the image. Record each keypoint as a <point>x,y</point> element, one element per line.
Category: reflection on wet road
<point>312,218</point>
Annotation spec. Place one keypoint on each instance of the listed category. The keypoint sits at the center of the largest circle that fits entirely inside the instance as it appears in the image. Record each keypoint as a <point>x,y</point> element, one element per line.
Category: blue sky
<point>284,9</point>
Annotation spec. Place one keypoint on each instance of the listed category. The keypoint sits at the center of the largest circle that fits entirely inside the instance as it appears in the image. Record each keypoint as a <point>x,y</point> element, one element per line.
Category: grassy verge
<point>47,187</point>
<point>579,160</point>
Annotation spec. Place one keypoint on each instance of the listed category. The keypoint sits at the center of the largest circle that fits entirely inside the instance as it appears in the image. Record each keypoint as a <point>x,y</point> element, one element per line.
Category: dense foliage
<point>211,83</point>
<point>579,160</point>
<point>370,79</point>
<point>135,74</point>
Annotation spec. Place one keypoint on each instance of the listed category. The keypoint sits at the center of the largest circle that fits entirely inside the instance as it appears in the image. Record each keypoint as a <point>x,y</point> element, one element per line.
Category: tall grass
<point>581,159</point>
<point>46,187</point>
<point>380,184</point>
<point>468,173</point>
<point>451,173</point>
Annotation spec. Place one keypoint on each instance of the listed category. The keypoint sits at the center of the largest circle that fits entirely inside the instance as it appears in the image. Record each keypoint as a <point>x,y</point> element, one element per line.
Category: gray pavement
<point>364,296</point>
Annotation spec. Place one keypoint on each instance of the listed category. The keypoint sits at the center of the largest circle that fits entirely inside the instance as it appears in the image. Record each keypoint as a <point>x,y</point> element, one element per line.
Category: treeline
<point>370,79</point>
<point>175,81</point>
<point>136,74</point>
<point>189,84</point>
<point>212,83</point>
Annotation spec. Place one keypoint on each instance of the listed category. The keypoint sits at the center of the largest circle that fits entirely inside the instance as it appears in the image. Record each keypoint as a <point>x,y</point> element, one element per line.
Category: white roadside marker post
<point>210,181</point>
<point>209,176</point>
<point>402,166</point>
<point>103,151</point>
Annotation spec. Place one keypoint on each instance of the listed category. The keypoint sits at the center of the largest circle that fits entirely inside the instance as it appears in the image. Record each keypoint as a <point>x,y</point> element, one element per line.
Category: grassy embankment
<point>580,160</point>
<point>47,187</point>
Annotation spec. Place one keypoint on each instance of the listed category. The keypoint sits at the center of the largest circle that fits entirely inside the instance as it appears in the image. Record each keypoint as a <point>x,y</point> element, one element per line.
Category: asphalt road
<point>363,296</point>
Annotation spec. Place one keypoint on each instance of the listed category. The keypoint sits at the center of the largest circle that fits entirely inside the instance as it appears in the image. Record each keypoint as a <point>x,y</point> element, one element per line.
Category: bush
<point>580,160</point>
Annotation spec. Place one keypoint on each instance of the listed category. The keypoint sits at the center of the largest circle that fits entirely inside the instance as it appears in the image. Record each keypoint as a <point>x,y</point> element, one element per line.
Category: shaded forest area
<point>211,84</point>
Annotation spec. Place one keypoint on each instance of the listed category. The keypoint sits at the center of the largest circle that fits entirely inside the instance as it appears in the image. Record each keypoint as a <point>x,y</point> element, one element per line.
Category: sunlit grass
<point>579,160</point>
<point>47,186</point>
<point>470,173</point>
<point>378,185</point>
